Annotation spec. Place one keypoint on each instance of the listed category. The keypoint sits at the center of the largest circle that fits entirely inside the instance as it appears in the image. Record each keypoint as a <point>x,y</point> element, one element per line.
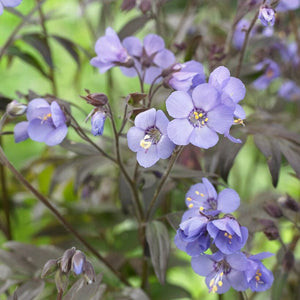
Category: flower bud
<point>290,203</point>
<point>89,272</point>
<point>97,122</point>
<point>145,6</point>
<point>128,5</point>
<point>50,267</point>
<point>65,263</point>
<point>95,99</point>
<point>267,15</point>
<point>273,210</point>
<point>269,229</point>
<point>15,108</point>
<point>78,261</point>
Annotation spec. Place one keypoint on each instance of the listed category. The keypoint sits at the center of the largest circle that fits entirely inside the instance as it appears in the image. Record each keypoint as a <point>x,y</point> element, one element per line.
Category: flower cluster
<point>209,222</point>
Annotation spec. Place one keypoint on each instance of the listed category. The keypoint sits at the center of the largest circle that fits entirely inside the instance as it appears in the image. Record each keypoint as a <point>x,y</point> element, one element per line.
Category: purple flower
<point>149,137</point>
<point>240,33</point>
<point>8,3</point>
<point>258,276</point>
<point>289,91</point>
<point>46,123</point>
<point>222,271</point>
<point>110,52</point>
<point>78,261</point>
<point>228,235</point>
<point>203,197</point>
<point>192,236</point>
<point>150,58</point>
<point>97,122</point>
<point>198,118</point>
<point>267,15</point>
<point>271,72</point>
<point>187,76</point>
<point>285,5</point>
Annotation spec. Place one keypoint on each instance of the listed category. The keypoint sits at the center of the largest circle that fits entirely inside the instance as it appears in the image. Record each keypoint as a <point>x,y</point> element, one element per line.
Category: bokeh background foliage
<point>90,192</point>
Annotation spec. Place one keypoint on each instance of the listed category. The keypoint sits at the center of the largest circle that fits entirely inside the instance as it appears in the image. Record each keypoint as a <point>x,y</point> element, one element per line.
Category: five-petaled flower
<point>149,137</point>
<point>46,123</point>
<point>199,117</point>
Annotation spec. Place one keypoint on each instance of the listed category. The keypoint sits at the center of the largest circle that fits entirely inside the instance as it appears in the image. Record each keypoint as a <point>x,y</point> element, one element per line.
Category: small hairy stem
<point>140,79</point>
<point>172,161</point>
<point>11,38</point>
<point>131,183</point>
<point>242,53</point>
<point>152,92</point>
<point>57,214</point>
<point>45,32</point>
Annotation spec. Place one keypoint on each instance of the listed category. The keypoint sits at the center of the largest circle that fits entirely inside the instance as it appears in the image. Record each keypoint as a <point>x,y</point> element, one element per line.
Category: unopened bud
<point>15,108</point>
<point>145,6</point>
<point>128,5</point>
<point>89,272</point>
<point>290,203</point>
<point>95,99</point>
<point>269,229</point>
<point>65,264</point>
<point>50,267</point>
<point>273,210</point>
<point>288,261</point>
<point>78,261</point>
<point>97,122</point>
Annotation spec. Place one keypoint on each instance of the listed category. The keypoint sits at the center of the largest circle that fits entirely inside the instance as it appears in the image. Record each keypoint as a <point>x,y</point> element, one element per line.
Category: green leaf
<point>159,244</point>
<point>133,26</point>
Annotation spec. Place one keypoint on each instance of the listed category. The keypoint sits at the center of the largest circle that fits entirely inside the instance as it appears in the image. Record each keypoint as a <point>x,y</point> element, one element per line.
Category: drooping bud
<point>50,267</point>
<point>128,5</point>
<point>97,122</point>
<point>145,6</point>
<point>89,272</point>
<point>290,203</point>
<point>269,229</point>
<point>273,210</point>
<point>78,262</point>
<point>15,108</point>
<point>95,99</point>
<point>65,263</point>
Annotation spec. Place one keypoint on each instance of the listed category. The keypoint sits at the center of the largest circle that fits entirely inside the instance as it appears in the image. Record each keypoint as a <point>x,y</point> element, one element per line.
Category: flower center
<point>221,268</point>
<point>46,117</point>
<point>152,137</point>
<point>198,117</point>
<point>258,275</point>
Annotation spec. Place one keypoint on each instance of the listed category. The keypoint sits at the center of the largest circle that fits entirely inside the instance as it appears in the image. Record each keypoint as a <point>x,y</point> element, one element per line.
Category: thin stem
<point>152,93</point>
<point>173,159</point>
<point>123,170</point>
<point>45,32</point>
<point>5,200</point>
<point>140,79</point>
<point>60,294</point>
<point>17,29</point>
<point>242,53</point>
<point>57,214</point>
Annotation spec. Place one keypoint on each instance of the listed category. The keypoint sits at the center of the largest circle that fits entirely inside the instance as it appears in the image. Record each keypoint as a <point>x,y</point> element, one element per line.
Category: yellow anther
<point>145,144</point>
<point>196,117</point>
<point>189,199</point>
<point>270,73</point>
<point>191,205</point>
<point>201,194</point>
<point>197,193</point>
<point>257,278</point>
<point>221,274</point>
<point>201,115</point>
<point>201,208</point>
<point>214,289</point>
<point>230,236</point>
<point>220,283</point>
<point>225,234</point>
<point>206,119</point>
<point>211,283</point>
<point>202,122</point>
<point>46,117</point>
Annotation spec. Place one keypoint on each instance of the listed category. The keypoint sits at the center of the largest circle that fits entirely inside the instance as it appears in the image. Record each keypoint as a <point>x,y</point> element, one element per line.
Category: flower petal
<point>57,114</point>
<point>228,201</point>
<point>202,264</point>
<point>179,104</point>
<point>218,76</point>
<point>205,96</point>
<point>20,132</point>
<point>133,46</point>
<point>145,119</point>
<point>203,137</point>
<point>153,43</point>
<point>57,135</point>
<point>179,131</point>
<point>134,137</point>
<point>220,118</point>
<point>147,158</point>
<point>38,130</point>
<point>165,147</point>
<point>36,108</point>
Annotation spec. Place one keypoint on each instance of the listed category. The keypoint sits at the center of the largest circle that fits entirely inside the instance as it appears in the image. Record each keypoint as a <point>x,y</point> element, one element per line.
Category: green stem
<point>173,159</point>
<point>11,38</point>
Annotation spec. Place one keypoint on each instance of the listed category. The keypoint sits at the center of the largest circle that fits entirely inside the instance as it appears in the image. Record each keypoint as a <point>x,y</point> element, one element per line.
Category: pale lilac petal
<point>57,135</point>
<point>34,106</point>
<point>134,137</point>
<point>235,89</point>
<point>261,255</point>
<point>239,112</point>
<point>129,72</point>
<point>203,137</point>
<point>228,201</point>
<point>11,3</point>
<point>20,131</point>
<point>145,119</point>
<point>164,58</point>
<point>153,43</point>
<point>102,66</point>
<point>238,261</point>
<point>211,191</point>
<point>205,96</point>
<point>202,264</point>
<point>217,77</point>
<point>179,104</point>
<point>220,118</point>
<point>147,158</point>
<point>58,116</point>
<point>165,147</point>
<point>133,46</point>
<point>161,121</point>
<point>152,75</point>
<point>179,131</point>
<point>38,130</point>
<point>237,280</point>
